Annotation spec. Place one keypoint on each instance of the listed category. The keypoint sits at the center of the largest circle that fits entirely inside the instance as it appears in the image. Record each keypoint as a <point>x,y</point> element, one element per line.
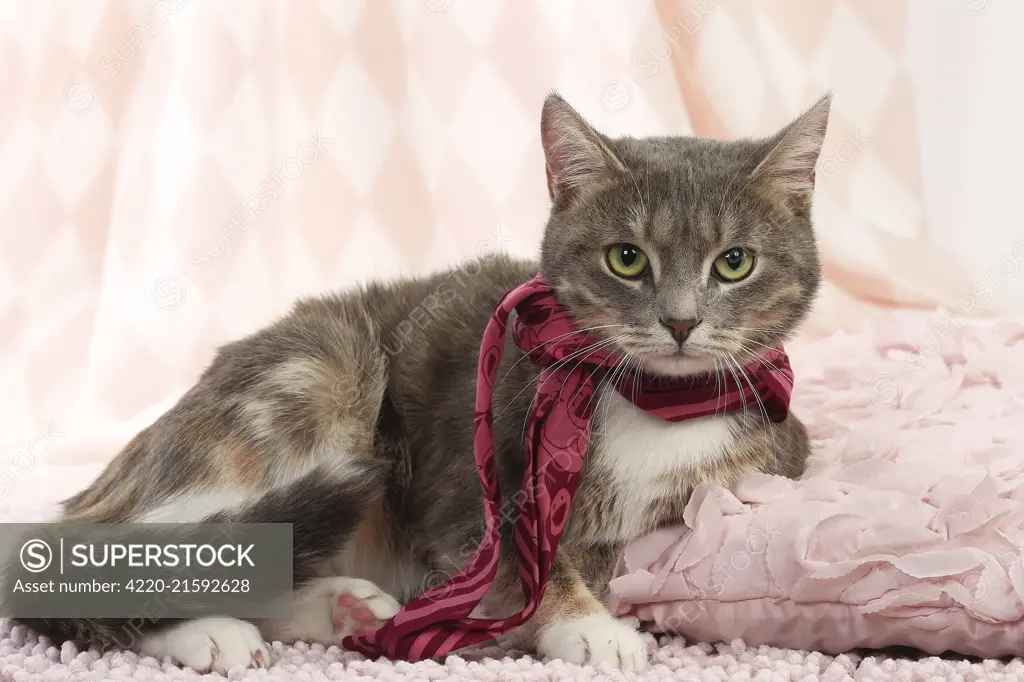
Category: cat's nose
<point>680,328</point>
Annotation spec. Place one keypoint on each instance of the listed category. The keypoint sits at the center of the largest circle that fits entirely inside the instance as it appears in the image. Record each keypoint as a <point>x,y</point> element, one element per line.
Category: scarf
<point>437,622</point>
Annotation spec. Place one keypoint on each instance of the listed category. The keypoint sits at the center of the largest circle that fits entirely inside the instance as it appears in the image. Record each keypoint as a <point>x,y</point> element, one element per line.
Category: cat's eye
<point>733,265</point>
<point>627,261</point>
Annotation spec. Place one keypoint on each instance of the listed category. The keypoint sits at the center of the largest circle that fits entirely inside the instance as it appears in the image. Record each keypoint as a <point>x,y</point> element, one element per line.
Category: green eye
<point>627,260</point>
<point>733,265</point>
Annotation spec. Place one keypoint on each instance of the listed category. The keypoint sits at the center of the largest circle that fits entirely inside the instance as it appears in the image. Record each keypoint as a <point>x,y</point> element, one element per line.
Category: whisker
<point>590,378</point>
<point>593,348</point>
<point>767,422</point>
<point>597,395</point>
<point>636,382</point>
<point>557,338</point>
<point>724,352</point>
<point>609,380</point>
<point>718,386</point>
<point>555,366</point>
<point>765,363</point>
<point>743,398</point>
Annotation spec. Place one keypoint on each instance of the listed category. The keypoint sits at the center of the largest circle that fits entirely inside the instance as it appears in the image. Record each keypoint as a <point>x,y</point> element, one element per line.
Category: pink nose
<point>680,328</point>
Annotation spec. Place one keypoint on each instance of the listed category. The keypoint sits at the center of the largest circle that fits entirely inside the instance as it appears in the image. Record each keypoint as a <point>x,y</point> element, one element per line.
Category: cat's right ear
<point>576,154</point>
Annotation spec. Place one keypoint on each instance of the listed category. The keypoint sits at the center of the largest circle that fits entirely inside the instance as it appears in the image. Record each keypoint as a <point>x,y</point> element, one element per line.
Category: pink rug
<point>24,657</point>
<point>934,379</point>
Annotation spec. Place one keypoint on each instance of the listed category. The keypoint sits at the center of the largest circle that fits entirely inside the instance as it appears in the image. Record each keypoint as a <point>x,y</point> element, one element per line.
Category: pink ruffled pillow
<point>906,529</point>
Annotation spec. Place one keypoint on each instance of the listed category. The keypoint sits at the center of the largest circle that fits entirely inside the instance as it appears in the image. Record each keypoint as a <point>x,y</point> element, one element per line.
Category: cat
<point>351,417</point>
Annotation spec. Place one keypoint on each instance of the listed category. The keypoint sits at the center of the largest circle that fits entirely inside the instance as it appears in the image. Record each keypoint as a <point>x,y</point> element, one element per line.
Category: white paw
<point>210,644</point>
<point>358,607</point>
<point>329,609</point>
<point>594,639</point>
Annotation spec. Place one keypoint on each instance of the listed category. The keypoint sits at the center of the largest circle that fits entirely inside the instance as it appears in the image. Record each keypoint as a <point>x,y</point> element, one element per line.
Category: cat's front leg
<point>595,562</point>
<point>571,624</point>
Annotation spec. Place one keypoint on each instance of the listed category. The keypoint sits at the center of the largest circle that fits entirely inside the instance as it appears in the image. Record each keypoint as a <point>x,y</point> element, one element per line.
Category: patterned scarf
<point>437,622</point>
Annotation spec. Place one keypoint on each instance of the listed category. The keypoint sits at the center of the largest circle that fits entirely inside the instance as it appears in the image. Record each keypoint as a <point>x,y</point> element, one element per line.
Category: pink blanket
<point>906,529</point>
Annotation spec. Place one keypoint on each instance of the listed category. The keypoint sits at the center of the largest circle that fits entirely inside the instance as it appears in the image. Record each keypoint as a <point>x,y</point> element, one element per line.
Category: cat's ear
<point>576,154</point>
<point>786,174</point>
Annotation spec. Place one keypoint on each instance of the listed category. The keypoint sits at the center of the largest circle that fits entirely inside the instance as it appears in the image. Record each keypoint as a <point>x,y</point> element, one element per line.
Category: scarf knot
<point>557,435</point>
<point>546,334</point>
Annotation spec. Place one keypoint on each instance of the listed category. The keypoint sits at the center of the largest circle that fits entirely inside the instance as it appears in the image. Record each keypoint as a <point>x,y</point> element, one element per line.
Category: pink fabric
<point>131,249</point>
<point>24,657</point>
<point>437,622</point>
<point>907,528</point>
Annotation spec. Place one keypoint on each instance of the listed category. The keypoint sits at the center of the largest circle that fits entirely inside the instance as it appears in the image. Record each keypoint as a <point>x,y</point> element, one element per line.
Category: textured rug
<point>929,378</point>
<point>24,657</point>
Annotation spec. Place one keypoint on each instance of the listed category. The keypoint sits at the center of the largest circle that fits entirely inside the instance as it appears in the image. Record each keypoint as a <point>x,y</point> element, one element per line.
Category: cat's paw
<point>594,639</point>
<point>327,610</point>
<point>210,645</point>
<point>359,607</point>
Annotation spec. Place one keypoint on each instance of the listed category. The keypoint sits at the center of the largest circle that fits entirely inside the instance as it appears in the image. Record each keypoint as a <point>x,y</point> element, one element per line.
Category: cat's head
<point>682,253</point>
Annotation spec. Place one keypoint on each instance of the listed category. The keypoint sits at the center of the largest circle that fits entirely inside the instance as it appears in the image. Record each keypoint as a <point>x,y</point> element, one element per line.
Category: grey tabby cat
<point>352,417</point>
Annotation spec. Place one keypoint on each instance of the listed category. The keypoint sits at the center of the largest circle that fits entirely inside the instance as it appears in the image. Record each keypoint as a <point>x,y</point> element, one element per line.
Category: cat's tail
<point>324,507</point>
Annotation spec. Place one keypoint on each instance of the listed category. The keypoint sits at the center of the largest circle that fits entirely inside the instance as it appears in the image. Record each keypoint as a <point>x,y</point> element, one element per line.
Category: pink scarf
<point>437,622</point>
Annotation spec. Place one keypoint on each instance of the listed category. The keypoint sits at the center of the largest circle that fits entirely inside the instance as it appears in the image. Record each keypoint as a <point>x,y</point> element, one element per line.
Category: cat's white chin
<point>678,365</point>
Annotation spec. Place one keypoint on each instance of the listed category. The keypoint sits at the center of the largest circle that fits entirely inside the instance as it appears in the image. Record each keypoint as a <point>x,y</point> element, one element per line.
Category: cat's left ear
<point>786,174</point>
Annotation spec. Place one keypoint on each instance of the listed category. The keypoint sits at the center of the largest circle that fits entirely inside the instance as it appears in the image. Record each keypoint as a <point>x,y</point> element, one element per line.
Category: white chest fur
<point>644,458</point>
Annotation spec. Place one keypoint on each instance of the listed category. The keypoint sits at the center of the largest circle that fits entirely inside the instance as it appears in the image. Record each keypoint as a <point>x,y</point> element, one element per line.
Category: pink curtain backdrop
<point>175,173</point>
